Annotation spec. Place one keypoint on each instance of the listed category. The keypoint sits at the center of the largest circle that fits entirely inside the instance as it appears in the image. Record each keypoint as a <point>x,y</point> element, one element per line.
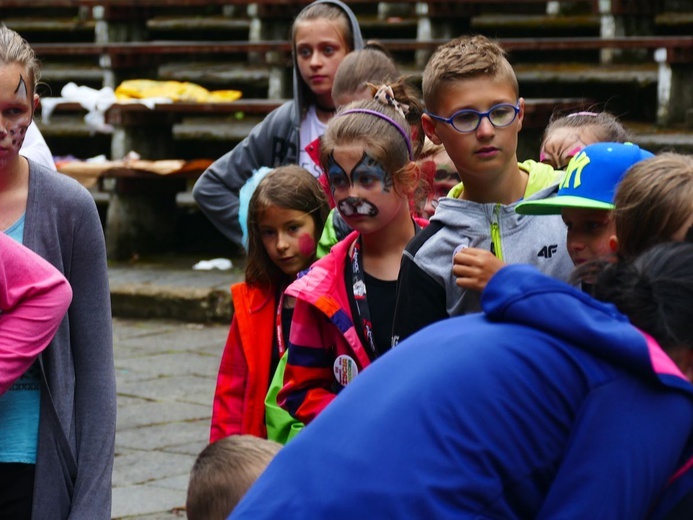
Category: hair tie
<point>591,114</point>
<point>386,96</point>
<point>394,123</point>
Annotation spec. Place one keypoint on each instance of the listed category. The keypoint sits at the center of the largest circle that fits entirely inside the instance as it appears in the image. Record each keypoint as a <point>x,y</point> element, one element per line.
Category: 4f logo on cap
<point>574,172</point>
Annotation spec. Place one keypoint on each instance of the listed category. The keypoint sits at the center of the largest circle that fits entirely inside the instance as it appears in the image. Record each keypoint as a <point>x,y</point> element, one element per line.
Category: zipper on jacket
<point>495,234</point>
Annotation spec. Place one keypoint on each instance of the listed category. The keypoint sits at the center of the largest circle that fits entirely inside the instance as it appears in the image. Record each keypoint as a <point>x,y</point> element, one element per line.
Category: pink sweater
<point>34,297</point>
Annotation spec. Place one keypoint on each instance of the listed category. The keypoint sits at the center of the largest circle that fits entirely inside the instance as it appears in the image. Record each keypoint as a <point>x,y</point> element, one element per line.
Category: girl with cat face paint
<point>345,303</point>
<point>57,423</point>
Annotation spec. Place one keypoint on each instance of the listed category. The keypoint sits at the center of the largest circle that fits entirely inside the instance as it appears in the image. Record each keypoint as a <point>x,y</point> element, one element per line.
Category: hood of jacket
<point>327,276</point>
<point>299,85</point>
<point>520,294</point>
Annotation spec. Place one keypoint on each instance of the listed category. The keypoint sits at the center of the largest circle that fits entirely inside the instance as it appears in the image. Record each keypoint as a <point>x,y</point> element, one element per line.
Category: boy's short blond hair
<point>466,57</point>
<point>223,472</point>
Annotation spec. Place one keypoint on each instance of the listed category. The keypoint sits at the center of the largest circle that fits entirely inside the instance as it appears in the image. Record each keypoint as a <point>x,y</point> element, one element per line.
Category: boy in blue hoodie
<point>548,405</point>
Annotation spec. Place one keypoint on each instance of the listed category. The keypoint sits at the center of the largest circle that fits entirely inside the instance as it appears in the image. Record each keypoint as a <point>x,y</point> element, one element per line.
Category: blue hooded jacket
<point>549,405</point>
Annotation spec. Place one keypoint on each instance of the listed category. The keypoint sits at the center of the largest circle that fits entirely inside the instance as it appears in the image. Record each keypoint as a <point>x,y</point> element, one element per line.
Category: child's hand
<point>474,267</point>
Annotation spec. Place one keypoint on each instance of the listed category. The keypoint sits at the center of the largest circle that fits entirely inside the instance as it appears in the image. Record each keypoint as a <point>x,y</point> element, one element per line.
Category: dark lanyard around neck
<point>359,292</point>
<point>279,330</point>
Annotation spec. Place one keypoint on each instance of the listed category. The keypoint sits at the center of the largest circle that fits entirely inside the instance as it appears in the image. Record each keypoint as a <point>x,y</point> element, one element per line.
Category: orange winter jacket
<point>239,399</point>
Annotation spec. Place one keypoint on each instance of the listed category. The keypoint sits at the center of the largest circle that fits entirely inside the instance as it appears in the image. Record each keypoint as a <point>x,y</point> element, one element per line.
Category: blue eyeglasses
<point>468,120</point>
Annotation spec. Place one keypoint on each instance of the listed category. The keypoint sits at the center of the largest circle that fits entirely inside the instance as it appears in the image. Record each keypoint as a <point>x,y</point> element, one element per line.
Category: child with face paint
<point>323,33</point>
<point>286,215</point>
<point>408,98</point>
<point>58,426</point>
<point>438,178</point>
<point>345,303</point>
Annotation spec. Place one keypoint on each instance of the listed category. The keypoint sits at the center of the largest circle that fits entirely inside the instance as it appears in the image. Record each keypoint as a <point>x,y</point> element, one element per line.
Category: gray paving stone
<point>166,374</point>
<point>178,483</point>
<point>190,448</point>
<point>125,401</point>
<point>145,467</point>
<point>180,363</point>
<point>161,437</point>
<point>185,338</point>
<point>124,329</point>
<point>185,389</point>
<point>161,413</point>
<point>135,501</point>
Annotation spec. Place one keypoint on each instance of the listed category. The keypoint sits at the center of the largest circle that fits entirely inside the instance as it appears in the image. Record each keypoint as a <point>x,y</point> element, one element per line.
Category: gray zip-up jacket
<point>273,142</point>
<point>426,288</point>
<point>77,425</point>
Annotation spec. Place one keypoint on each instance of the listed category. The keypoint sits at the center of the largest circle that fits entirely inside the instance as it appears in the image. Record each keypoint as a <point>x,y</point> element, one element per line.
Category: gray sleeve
<point>270,143</point>
<point>91,343</point>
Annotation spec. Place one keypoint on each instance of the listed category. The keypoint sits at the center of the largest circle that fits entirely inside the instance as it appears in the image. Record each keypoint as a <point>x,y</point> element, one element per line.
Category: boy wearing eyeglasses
<point>474,110</point>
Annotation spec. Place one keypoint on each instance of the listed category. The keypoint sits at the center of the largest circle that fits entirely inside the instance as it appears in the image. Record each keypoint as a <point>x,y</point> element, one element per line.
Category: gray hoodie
<point>273,142</point>
<point>427,291</point>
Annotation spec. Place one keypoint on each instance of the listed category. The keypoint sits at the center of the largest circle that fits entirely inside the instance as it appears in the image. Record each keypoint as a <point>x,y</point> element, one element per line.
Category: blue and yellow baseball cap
<point>590,179</point>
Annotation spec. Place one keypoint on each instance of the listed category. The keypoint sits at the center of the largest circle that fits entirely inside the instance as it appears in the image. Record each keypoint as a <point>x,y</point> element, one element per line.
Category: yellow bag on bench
<point>173,90</point>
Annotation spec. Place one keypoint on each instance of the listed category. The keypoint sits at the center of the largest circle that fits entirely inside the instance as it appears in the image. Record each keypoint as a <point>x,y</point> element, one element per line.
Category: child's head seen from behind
<point>585,198</point>
<point>473,107</point>
<point>359,77</point>
<point>366,153</point>
<point>223,472</point>
<point>654,203</point>
<point>371,64</point>
<point>566,135</point>
<point>286,215</point>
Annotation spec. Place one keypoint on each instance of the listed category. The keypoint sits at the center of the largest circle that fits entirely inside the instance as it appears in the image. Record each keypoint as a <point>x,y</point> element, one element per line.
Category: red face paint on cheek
<point>306,244</point>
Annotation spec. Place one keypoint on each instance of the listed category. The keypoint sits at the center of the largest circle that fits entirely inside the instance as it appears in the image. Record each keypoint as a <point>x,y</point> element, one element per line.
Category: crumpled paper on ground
<point>222,264</point>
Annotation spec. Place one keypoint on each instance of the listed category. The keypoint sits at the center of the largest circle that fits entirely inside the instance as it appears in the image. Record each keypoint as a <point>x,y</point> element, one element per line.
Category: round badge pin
<point>345,369</point>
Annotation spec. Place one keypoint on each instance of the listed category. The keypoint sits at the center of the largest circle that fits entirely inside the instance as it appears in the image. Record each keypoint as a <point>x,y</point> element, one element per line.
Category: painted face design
<point>15,110</point>
<point>368,175</point>
<point>356,206</point>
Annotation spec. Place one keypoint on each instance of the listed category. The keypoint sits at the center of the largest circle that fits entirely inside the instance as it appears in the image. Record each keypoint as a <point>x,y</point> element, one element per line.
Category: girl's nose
<point>282,243</point>
<point>316,60</point>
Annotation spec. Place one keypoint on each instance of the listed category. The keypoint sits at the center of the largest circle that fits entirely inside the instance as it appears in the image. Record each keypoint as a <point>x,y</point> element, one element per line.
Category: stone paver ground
<point>166,374</point>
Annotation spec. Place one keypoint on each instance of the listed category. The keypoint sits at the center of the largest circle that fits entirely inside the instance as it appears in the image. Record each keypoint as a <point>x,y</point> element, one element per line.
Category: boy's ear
<point>429,129</point>
<point>36,101</point>
<point>613,243</point>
